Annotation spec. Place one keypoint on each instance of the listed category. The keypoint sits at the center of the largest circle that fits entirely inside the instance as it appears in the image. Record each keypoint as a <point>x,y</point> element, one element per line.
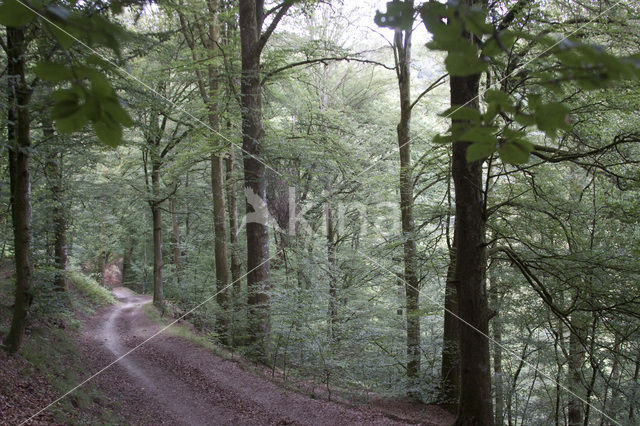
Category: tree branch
<point>323,61</point>
<point>284,8</point>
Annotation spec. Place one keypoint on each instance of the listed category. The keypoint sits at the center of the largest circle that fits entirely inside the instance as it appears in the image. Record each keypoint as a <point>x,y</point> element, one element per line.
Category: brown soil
<point>169,380</point>
<point>23,391</point>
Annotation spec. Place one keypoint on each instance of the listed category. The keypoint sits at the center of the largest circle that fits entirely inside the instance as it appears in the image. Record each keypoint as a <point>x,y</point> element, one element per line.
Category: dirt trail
<point>169,380</point>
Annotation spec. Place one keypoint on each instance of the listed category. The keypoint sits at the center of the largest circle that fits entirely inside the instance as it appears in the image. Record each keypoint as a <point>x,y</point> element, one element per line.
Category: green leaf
<point>516,151</point>
<point>483,135</point>
<point>475,21</point>
<point>461,63</point>
<point>63,37</point>
<point>72,123</point>
<point>551,117</point>
<point>462,113</point>
<point>65,95</point>
<point>53,72</point>
<point>442,139</point>
<point>399,15</point>
<point>101,87</point>
<point>93,108</point>
<point>525,119</point>
<point>64,109</point>
<point>108,132</point>
<point>479,151</point>
<point>116,112</point>
<point>501,99</point>
<point>14,14</point>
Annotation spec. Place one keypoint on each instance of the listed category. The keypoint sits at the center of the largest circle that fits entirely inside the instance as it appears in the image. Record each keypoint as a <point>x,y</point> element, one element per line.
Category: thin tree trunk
<point>222,264</point>
<point>332,265</point>
<point>258,277</point>
<point>574,372</point>
<point>475,404</point>
<point>156,214</point>
<point>496,325</point>
<point>403,49</point>
<point>450,335</point>
<point>19,147</point>
<point>187,226</point>
<point>102,266</point>
<point>634,392</point>
<point>558,345</point>
<point>175,238</point>
<point>126,261</point>
<point>53,170</point>
<point>450,372</point>
<point>236,260</point>
<point>217,184</point>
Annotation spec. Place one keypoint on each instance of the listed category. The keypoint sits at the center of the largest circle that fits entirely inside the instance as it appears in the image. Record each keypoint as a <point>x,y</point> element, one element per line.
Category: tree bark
<point>222,264</point>
<point>236,260</point>
<point>332,265</point>
<point>19,147</point>
<point>575,407</point>
<point>403,52</point>
<point>475,404</point>
<point>102,267</point>
<point>496,325</point>
<point>126,261</point>
<point>450,336</point>
<point>156,214</point>
<point>175,238</point>
<point>217,183</point>
<point>258,266</point>
<point>53,170</point>
<point>634,392</point>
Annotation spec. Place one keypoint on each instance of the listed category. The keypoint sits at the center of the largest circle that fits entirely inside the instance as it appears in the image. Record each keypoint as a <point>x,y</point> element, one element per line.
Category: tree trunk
<point>102,267</point>
<point>450,336</point>
<point>222,264</point>
<point>258,277</point>
<point>475,405</point>
<point>450,333</point>
<point>175,238</point>
<point>574,372</point>
<point>53,169</point>
<point>217,183</point>
<point>403,49</point>
<point>496,325</point>
<point>18,95</point>
<point>236,260</point>
<point>332,265</point>
<point>156,214</point>
<point>634,392</point>
<point>126,261</point>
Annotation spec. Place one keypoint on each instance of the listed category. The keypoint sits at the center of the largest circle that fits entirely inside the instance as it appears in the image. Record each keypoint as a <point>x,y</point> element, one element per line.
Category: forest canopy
<point>427,200</point>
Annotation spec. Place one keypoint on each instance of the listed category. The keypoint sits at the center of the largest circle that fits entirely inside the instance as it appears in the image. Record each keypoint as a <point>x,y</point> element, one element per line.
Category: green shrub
<point>91,289</point>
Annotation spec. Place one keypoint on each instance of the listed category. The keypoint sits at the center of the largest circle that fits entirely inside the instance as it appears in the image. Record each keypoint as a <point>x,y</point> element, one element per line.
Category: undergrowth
<point>97,295</point>
<point>50,348</point>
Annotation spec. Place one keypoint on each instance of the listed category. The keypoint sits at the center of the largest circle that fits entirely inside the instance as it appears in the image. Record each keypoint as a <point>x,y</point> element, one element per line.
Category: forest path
<point>170,380</point>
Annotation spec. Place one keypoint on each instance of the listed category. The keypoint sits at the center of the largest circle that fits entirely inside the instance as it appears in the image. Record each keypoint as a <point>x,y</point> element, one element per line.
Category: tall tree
<point>253,40</point>
<point>18,125</point>
<point>209,88</point>
<point>402,50</point>
<point>475,404</point>
<point>162,134</point>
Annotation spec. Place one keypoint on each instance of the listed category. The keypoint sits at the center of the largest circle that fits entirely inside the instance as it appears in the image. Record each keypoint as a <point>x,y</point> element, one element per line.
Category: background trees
<point>526,208</point>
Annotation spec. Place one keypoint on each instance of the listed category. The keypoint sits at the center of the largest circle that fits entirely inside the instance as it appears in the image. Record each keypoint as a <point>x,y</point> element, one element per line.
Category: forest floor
<point>172,380</point>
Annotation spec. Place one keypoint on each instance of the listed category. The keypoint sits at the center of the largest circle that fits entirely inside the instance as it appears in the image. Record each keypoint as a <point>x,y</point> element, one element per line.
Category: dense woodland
<point>436,201</point>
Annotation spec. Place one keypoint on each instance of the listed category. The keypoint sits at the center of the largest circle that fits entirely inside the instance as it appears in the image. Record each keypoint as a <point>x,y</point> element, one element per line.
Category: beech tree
<point>253,40</point>
<point>18,125</point>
